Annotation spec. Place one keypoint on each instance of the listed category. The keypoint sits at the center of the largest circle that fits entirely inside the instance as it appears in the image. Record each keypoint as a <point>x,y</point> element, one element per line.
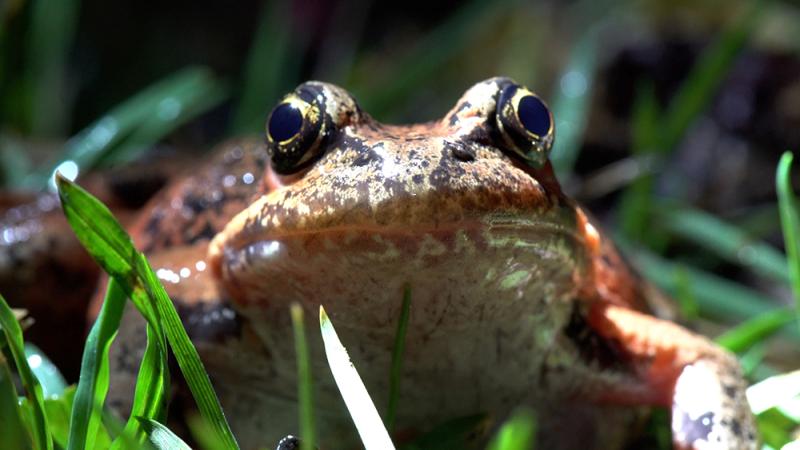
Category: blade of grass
<point>397,357</point>
<point>185,353</point>
<point>716,296</point>
<point>571,104</point>
<point>272,66</point>
<point>33,390</point>
<point>305,386</point>
<point>50,36</point>
<point>724,239</point>
<point>53,383</point>
<point>161,437</point>
<point>93,382</point>
<point>182,105</point>
<point>755,330</point>
<point>152,384</point>
<point>684,294</point>
<point>12,431</point>
<point>203,434</point>
<point>707,75</point>
<point>112,248</point>
<point>366,418</point>
<point>95,142</point>
<point>518,433</point>
<point>427,57</point>
<point>773,391</point>
<point>58,418</point>
<point>660,133</point>
<point>790,223</point>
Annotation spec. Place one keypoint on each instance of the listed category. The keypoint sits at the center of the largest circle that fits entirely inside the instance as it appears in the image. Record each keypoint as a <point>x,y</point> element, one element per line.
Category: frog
<point>517,297</point>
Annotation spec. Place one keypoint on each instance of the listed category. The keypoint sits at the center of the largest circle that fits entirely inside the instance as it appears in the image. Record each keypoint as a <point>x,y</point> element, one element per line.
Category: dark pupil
<point>285,122</point>
<point>534,115</point>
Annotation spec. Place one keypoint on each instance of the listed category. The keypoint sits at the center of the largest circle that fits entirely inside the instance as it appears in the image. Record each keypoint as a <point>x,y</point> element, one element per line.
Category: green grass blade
<point>684,295</point>
<point>96,141</point>
<point>755,330</point>
<point>366,418</point>
<point>203,434</point>
<point>706,76</point>
<point>272,66</point>
<point>53,383</point>
<point>518,433</point>
<point>571,104</point>
<point>790,223</point>
<point>186,354</point>
<point>101,235</point>
<point>185,103</point>
<point>716,296</point>
<point>111,247</point>
<point>33,390</point>
<point>58,418</point>
<point>12,431</point>
<point>52,28</point>
<point>93,383</point>
<point>150,394</point>
<point>427,57</point>
<point>397,358</point>
<point>724,239</point>
<point>773,391</point>
<point>161,437</point>
<point>305,384</point>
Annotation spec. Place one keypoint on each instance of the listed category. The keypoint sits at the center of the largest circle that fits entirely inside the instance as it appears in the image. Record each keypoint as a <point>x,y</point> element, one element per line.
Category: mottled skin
<point>517,297</point>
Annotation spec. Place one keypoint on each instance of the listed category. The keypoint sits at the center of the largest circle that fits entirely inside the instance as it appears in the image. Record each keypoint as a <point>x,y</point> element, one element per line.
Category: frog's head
<point>462,210</point>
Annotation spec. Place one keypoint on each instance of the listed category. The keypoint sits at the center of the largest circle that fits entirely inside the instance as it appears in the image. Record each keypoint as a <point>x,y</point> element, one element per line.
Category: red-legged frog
<point>517,296</point>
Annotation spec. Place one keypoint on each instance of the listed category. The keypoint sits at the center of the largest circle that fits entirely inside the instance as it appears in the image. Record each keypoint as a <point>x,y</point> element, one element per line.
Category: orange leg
<point>701,382</point>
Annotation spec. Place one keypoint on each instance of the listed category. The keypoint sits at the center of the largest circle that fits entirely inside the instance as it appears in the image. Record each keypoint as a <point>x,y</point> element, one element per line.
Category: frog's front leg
<point>700,382</point>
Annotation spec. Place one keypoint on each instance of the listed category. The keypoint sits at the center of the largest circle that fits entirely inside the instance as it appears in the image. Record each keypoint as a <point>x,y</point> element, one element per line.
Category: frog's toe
<point>709,409</point>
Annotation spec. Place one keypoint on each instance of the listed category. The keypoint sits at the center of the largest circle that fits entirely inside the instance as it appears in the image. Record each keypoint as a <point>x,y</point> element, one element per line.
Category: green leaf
<point>706,76</point>
<point>397,357</point>
<point>366,418</point>
<point>755,330</point>
<point>52,29</point>
<point>272,66</point>
<point>518,433</point>
<point>571,104</point>
<point>716,296</point>
<point>427,56</point>
<point>53,383</point>
<point>185,353</point>
<point>161,437</point>
<point>58,410</point>
<point>158,108</point>
<point>112,248</point>
<point>724,239</point>
<point>33,390</point>
<point>305,384</point>
<point>12,431</point>
<point>790,223</point>
<point>93,383</point>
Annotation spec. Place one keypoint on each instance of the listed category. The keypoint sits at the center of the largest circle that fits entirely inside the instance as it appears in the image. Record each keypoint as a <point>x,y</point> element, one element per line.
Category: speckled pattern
<point>517,298</point>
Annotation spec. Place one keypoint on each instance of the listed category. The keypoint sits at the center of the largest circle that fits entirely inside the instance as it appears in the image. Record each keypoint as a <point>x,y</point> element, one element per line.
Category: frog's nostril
<point>461,151</point>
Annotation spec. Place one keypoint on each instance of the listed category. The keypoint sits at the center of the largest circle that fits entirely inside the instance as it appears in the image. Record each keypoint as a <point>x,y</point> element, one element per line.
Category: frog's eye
<point>525,123</point>
<point>294,131</point>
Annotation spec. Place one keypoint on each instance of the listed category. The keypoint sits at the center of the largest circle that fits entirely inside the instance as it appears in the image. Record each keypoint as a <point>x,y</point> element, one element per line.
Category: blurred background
<point>671,116</point>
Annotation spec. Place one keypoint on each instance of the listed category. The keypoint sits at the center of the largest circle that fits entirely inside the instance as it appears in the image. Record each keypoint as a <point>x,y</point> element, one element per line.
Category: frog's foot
<point>701,383</point>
